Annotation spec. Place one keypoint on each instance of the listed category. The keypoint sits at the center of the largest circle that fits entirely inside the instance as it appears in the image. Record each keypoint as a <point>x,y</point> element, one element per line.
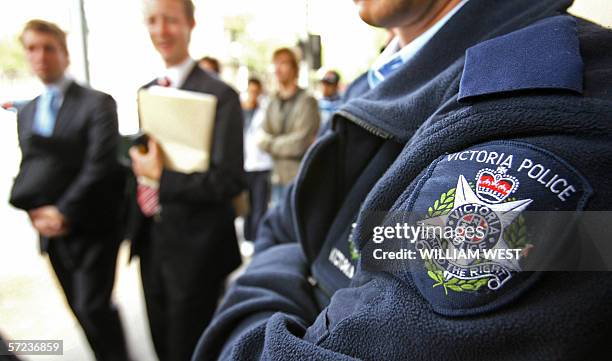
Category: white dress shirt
<point>177,74</point>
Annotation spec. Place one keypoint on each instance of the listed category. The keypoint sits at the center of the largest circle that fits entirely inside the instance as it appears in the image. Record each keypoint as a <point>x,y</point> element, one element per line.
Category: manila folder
<point>182,122</point>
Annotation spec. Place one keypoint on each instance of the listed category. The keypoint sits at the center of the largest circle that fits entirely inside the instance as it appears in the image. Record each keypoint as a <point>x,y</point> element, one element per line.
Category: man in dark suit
<point>71,186</point>
<point>184,231</point>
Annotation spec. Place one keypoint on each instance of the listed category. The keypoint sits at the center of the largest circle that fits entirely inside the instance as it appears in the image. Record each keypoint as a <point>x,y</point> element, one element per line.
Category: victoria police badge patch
<point>470,210</point>
<point>482,214</point>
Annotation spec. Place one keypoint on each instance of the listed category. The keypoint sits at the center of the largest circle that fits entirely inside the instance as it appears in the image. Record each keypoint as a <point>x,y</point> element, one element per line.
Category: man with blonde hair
<point>184,223</point>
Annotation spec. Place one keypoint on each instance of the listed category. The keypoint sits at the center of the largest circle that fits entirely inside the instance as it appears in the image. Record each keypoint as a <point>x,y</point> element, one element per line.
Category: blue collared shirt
<point>47,106</point>
<point>393,56</point>
<point>59,87</point>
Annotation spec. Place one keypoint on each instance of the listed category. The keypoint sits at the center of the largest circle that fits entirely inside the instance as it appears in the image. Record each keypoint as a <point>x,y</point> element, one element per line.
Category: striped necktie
<point>147,195</point>
<point>148,199</point>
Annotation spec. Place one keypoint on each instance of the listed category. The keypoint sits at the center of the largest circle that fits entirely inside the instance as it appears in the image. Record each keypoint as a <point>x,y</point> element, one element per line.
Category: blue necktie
<point>46,113</point>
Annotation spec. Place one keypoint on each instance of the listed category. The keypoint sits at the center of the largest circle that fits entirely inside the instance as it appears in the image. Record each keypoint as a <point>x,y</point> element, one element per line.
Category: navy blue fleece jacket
<point>514,91</point>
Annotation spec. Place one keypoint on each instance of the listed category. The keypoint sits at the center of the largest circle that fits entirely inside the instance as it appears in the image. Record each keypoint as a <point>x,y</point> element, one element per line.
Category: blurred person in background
<point>14,105</point>
<point>330,96</point>
<point>183,224</point>
<point>71,185</point>
<point>211,65</point>
<point>257,163</point>
<point>291,122</point>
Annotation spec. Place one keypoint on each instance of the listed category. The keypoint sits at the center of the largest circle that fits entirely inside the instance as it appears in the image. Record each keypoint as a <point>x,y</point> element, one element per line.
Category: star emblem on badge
<point>504,215</point>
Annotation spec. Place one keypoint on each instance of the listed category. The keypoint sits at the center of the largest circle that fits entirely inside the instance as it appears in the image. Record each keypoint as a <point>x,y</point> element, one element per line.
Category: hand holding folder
<point>182,122</point>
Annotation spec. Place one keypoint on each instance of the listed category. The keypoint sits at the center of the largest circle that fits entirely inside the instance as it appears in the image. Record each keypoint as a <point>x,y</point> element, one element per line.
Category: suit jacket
<point>76,168</point>
<point>197,217</point>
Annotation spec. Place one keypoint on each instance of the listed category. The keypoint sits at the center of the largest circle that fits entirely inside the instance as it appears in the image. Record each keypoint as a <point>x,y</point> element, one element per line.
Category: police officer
<point>477,113</point>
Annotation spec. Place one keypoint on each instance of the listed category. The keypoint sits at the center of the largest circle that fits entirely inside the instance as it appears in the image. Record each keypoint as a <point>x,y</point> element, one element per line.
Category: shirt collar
<point>333,98</point>
<point>393,56</point>
<point>58,89</point>
<point>177,74</point>
<point>60,86</point>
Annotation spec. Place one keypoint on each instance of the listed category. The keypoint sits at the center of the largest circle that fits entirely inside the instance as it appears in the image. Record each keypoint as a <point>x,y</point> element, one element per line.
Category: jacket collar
<point>69,105</point>
<point>399,106</point>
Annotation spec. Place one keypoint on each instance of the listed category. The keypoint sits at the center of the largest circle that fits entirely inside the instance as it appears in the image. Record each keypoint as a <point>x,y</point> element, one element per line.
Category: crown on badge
<point>495,186</point>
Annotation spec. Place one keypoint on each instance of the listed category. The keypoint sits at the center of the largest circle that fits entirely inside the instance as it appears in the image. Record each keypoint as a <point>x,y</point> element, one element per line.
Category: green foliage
<point>454,284</point>
<point>353,249</point>
<point>444,205</point>
<point>256,53</point>
<point>13,64</point>
<point>516,233</point>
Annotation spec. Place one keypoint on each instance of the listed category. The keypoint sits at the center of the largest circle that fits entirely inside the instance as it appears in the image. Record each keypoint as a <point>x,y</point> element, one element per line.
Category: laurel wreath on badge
<point>355,255</point>
<point>515,234</point>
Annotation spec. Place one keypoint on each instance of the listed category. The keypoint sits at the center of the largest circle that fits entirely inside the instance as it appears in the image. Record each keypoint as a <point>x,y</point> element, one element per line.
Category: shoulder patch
<point>506,204</point>
<point>545,55</point>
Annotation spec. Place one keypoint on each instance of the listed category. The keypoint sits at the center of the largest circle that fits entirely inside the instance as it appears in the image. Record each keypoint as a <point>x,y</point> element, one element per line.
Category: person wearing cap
<point>330,97</point>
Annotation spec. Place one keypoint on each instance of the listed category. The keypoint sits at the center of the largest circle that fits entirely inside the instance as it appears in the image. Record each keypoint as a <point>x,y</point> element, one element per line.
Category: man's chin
<point>165,52</point>
<point>48,78</point>
<point>366,16</point>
